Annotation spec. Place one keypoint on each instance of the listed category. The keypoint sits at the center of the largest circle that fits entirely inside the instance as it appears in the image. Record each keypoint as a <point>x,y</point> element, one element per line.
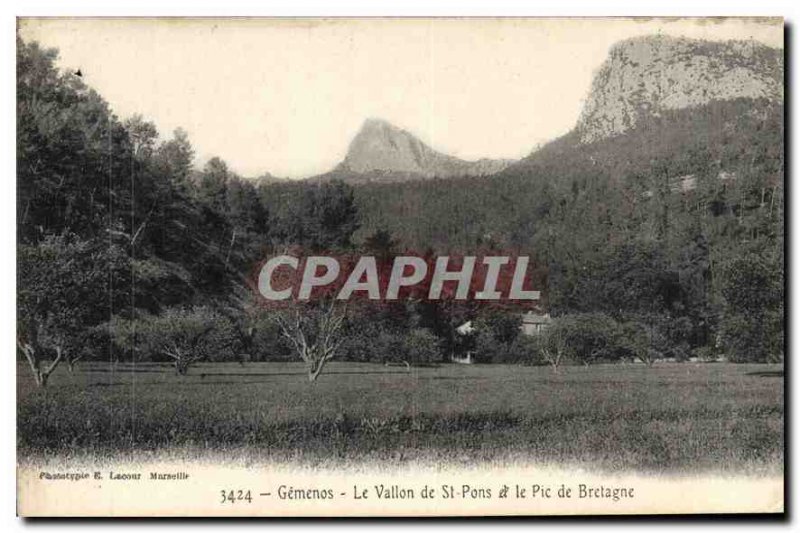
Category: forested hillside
<point>117,232</point>
<point>663,241</point>
<point>665,219</point>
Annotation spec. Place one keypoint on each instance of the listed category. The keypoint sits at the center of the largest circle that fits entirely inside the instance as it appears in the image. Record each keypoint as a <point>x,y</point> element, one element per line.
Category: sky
<point>286,96</point>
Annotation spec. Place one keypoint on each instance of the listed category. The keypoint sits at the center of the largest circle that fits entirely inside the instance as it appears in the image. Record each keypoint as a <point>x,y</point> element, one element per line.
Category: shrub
<point>635,341</point>
<point>495,337</point>
<point>705,353</point>
<point>503,326</point>
<point>488,349</point>
<point>267,343</point>
<point>524,350</point>
<point>371,342</point>
<point>553,343</point>
<point>675,332</point>
<point>751,327</point>
<point>421,346</point>
<point>592,337</point>
<point>753,338</point>
<point>181,336</point>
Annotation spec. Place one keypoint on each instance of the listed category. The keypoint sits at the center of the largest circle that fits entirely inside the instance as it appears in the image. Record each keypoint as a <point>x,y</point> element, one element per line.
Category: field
<point>671,417</point>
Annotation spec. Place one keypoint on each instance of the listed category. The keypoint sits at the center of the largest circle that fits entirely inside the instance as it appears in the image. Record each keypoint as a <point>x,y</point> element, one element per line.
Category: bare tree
<point>72,359</point>
<point>642,340</point>
<point>315,332</point>
<point>245,322</point>
<point>183,351</point>
<point>29,345</point>
<point>554,345</point>
<point>182,335</point>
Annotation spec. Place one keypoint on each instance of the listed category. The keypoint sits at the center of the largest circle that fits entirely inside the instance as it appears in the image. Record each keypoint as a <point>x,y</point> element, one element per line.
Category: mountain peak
<point>378,123</point>
<point>645,75</point>
<point>381,147</point>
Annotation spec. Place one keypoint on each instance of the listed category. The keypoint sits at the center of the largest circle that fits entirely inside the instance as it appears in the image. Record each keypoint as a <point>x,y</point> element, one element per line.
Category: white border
<point>785,8</point>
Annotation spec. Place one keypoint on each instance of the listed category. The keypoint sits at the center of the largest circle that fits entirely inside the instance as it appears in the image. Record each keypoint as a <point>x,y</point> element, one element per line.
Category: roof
<point>465,328</point>
<point>534,318</point>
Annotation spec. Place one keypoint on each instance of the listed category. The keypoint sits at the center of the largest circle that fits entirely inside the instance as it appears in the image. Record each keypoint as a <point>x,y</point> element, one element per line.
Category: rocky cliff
<point>646,75</point>
<point>382,149</point>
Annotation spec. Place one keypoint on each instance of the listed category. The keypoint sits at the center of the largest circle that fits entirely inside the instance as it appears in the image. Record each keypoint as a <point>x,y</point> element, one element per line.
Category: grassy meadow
<point>671,417</point>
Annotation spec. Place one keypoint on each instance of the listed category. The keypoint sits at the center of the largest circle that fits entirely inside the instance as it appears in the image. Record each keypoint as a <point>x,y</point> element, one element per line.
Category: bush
<point>705,353</point>
<point>751,327</point>
<point>268,344</point>
<point>674,333</point>
<point>522,350</point>
<point>495,337</point>
<point>487,349</point>
<point>503,326</point>
<point>525,350</point>
<point>180,336</point>
<point>753,338</point>
<point>640,340</point>
<point>375,342</point>
<point>367,341</point>
<point>421,346</point>
<point>592,337</point>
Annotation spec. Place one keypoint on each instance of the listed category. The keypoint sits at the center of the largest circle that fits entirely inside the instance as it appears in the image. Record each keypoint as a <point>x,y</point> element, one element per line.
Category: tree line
<point>128,251</point>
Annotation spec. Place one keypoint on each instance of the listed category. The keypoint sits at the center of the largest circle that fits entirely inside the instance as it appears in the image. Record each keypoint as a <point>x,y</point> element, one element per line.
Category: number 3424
<point>234,496</point>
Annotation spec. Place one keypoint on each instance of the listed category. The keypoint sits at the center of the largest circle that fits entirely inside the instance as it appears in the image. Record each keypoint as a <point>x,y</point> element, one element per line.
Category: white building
<point>534,323</point>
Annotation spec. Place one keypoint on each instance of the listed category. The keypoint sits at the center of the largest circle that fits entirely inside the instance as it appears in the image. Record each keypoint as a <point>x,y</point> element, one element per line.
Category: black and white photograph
<point>400,267</point>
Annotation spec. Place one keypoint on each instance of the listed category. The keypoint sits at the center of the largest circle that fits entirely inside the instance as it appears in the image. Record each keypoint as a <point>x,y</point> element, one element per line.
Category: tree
<point>181,336</point>
<point>421,346</point>
<point>554,342</point>
<point>496,331</point>
<point>82,346</point>
<point>321,217</point>
<point>752,314</point>
<point>142,135</point>
<point>314,331</point>
<point>642,339</point>
<point>68,144</point>
<point>249,224</point>
<point>244,208</point>
<point>212,189</point>
<point>175,157</point>
<point>63,291</point>
<point>381,245</point>
<point>593,336</point>
<point>246,321</point>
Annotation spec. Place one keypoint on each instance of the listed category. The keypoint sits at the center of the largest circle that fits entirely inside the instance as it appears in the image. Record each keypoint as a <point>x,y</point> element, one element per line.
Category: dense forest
<point>666,241</point>
<point>679,220</point>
